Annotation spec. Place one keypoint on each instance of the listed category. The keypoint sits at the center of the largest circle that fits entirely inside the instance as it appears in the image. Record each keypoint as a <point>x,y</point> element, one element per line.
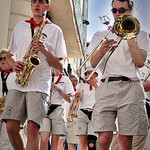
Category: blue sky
<point>103,7</point>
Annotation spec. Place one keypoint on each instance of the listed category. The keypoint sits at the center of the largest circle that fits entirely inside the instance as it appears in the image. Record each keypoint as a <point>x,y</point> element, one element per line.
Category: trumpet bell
<point>126,27</point>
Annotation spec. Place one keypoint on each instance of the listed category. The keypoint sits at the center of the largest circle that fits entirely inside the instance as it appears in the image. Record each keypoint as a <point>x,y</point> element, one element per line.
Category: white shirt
<point>66,86</point>
<point>88,99</point>
<point>120,62</point>
<point>144,72</point>
<point>19,43</point>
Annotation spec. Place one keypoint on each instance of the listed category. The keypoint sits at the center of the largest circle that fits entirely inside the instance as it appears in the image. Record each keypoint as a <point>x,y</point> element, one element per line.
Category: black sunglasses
<point>121,10</point>
<point>40,1</point>
<point>2,58</point>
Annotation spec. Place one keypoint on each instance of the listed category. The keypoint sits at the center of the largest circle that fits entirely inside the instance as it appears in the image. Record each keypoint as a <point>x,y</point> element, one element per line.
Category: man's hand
<point>39,46</point>
<point>18,66</point>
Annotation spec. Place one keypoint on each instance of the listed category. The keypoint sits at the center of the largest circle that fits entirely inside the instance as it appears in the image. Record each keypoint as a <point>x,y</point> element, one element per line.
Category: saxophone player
<point>27,103</point>
<point>83,127</point>
<point>4,85</point>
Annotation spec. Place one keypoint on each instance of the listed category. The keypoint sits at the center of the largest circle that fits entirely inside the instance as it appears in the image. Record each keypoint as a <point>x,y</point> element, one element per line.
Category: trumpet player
<point>72,140</point>
<point>120,94</point>
<point>4,86</point>
<point>83,126</point>
<point>27,102</point>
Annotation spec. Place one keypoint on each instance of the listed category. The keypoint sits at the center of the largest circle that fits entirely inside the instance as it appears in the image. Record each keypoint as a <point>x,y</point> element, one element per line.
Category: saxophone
<point>2,103</point>
<point>31,59</point>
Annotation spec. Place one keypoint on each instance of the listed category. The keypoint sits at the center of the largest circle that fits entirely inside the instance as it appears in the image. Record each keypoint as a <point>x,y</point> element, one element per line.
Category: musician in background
<point>83,126</point>
<point>27,102</point>
<point>72,140</point>
<point>4,83</point>
<point>120,94</point>
<point>54,123</point>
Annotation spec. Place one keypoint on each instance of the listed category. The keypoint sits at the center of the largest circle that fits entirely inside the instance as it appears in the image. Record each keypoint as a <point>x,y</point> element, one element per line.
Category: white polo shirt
<point>88,99</point>
<point>120,62</point>
<point>66,86</point>
<point>19,43</point>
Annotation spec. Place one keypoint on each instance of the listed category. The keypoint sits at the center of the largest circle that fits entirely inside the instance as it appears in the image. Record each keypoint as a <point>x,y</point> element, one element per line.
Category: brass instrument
<point>74,105</point>
<point>31,59</point>
<point>2,103</point>
<point>125,27</point>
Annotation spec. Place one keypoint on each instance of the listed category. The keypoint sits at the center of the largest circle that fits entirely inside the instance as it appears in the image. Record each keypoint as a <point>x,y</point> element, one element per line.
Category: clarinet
<point>48,112</point>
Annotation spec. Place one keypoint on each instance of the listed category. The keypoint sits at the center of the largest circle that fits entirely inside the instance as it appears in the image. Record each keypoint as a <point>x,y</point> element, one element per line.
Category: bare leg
<point>83,142</point>
<point>125,142</point>
<point>54,142</point>
<point>32,136</point>
<point>61,144</point>
<point>70,146</point>
<point>13,128</point>
<point>104,140</point>
<point>44,137</point>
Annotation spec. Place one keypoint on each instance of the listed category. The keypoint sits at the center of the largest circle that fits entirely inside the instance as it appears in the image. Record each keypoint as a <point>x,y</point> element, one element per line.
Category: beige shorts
<point>124,100</point>
<point>25,105</point>
<point>83,126</point>
<point>55,124</point>
<point>71,138</point>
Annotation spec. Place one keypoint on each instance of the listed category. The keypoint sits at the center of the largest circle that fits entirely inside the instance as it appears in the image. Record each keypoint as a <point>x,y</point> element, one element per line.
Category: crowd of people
<point>52,111</point>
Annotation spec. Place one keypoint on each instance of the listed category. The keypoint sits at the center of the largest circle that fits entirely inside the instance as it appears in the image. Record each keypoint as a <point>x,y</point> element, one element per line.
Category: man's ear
<point>47,7</point>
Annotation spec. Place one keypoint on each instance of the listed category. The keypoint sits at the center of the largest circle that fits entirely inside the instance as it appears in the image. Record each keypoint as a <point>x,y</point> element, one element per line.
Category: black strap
<point>32,30</point>
<point>88,113</point>
<point>51,109</point>
<point>4,85</point>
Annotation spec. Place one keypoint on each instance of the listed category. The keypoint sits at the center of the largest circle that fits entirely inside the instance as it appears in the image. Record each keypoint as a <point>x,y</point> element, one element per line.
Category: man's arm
<point>138,55</point>
<point>98,54</point>
<point>17,66</point>
<point>52,60</point>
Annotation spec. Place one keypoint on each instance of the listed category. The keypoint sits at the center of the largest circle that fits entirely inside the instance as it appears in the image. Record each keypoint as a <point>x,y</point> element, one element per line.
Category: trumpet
<point>125,27</point>
<point>74,105</point>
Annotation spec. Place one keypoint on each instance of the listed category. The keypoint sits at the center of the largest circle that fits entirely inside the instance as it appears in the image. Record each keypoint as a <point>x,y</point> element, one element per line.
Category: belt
<point>122,78</point>
<point>51,109</point>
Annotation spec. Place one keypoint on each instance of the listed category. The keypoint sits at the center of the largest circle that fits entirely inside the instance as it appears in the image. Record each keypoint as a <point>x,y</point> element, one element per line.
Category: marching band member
<point>120,94</point>
<point>4,85</point>
<point>27,102</point>
<point>72,140</point>
<point>54,122</point>
<point>83,126</point>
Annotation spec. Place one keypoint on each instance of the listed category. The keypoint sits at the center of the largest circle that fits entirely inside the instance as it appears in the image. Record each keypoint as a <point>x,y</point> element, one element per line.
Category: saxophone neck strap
<point>32,29</point>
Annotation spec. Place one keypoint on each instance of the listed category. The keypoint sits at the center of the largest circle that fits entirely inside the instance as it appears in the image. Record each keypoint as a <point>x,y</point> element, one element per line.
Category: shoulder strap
<point>32,30</point>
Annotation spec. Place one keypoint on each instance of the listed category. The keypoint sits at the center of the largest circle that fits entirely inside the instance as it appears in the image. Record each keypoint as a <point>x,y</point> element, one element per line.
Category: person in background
<point>120,94</point>
<point>83,123</point>
<point>27,102</point>
<point>72,140</point>
<point>54,123</point>
<point>4,85</point>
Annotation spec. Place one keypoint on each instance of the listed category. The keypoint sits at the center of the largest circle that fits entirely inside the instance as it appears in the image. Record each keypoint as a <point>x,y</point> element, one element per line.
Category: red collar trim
<point>31,21</point>
<point>59,78</point>
<point>5,72</point>
<point>90,86</point>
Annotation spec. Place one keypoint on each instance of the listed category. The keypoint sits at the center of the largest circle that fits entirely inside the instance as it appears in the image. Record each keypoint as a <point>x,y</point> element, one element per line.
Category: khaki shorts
<point>71,138</point>
<point>55,124</point>
<point>124,100</point>
<point>83,126</point>
<point>25,105</point>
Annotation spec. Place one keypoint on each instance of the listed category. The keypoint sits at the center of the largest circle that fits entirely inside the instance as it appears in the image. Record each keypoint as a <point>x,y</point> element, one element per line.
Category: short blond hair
<point>3,50</point>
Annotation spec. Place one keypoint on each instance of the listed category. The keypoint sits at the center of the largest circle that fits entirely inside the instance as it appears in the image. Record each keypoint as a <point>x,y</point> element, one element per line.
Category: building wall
<point>11,12</point>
